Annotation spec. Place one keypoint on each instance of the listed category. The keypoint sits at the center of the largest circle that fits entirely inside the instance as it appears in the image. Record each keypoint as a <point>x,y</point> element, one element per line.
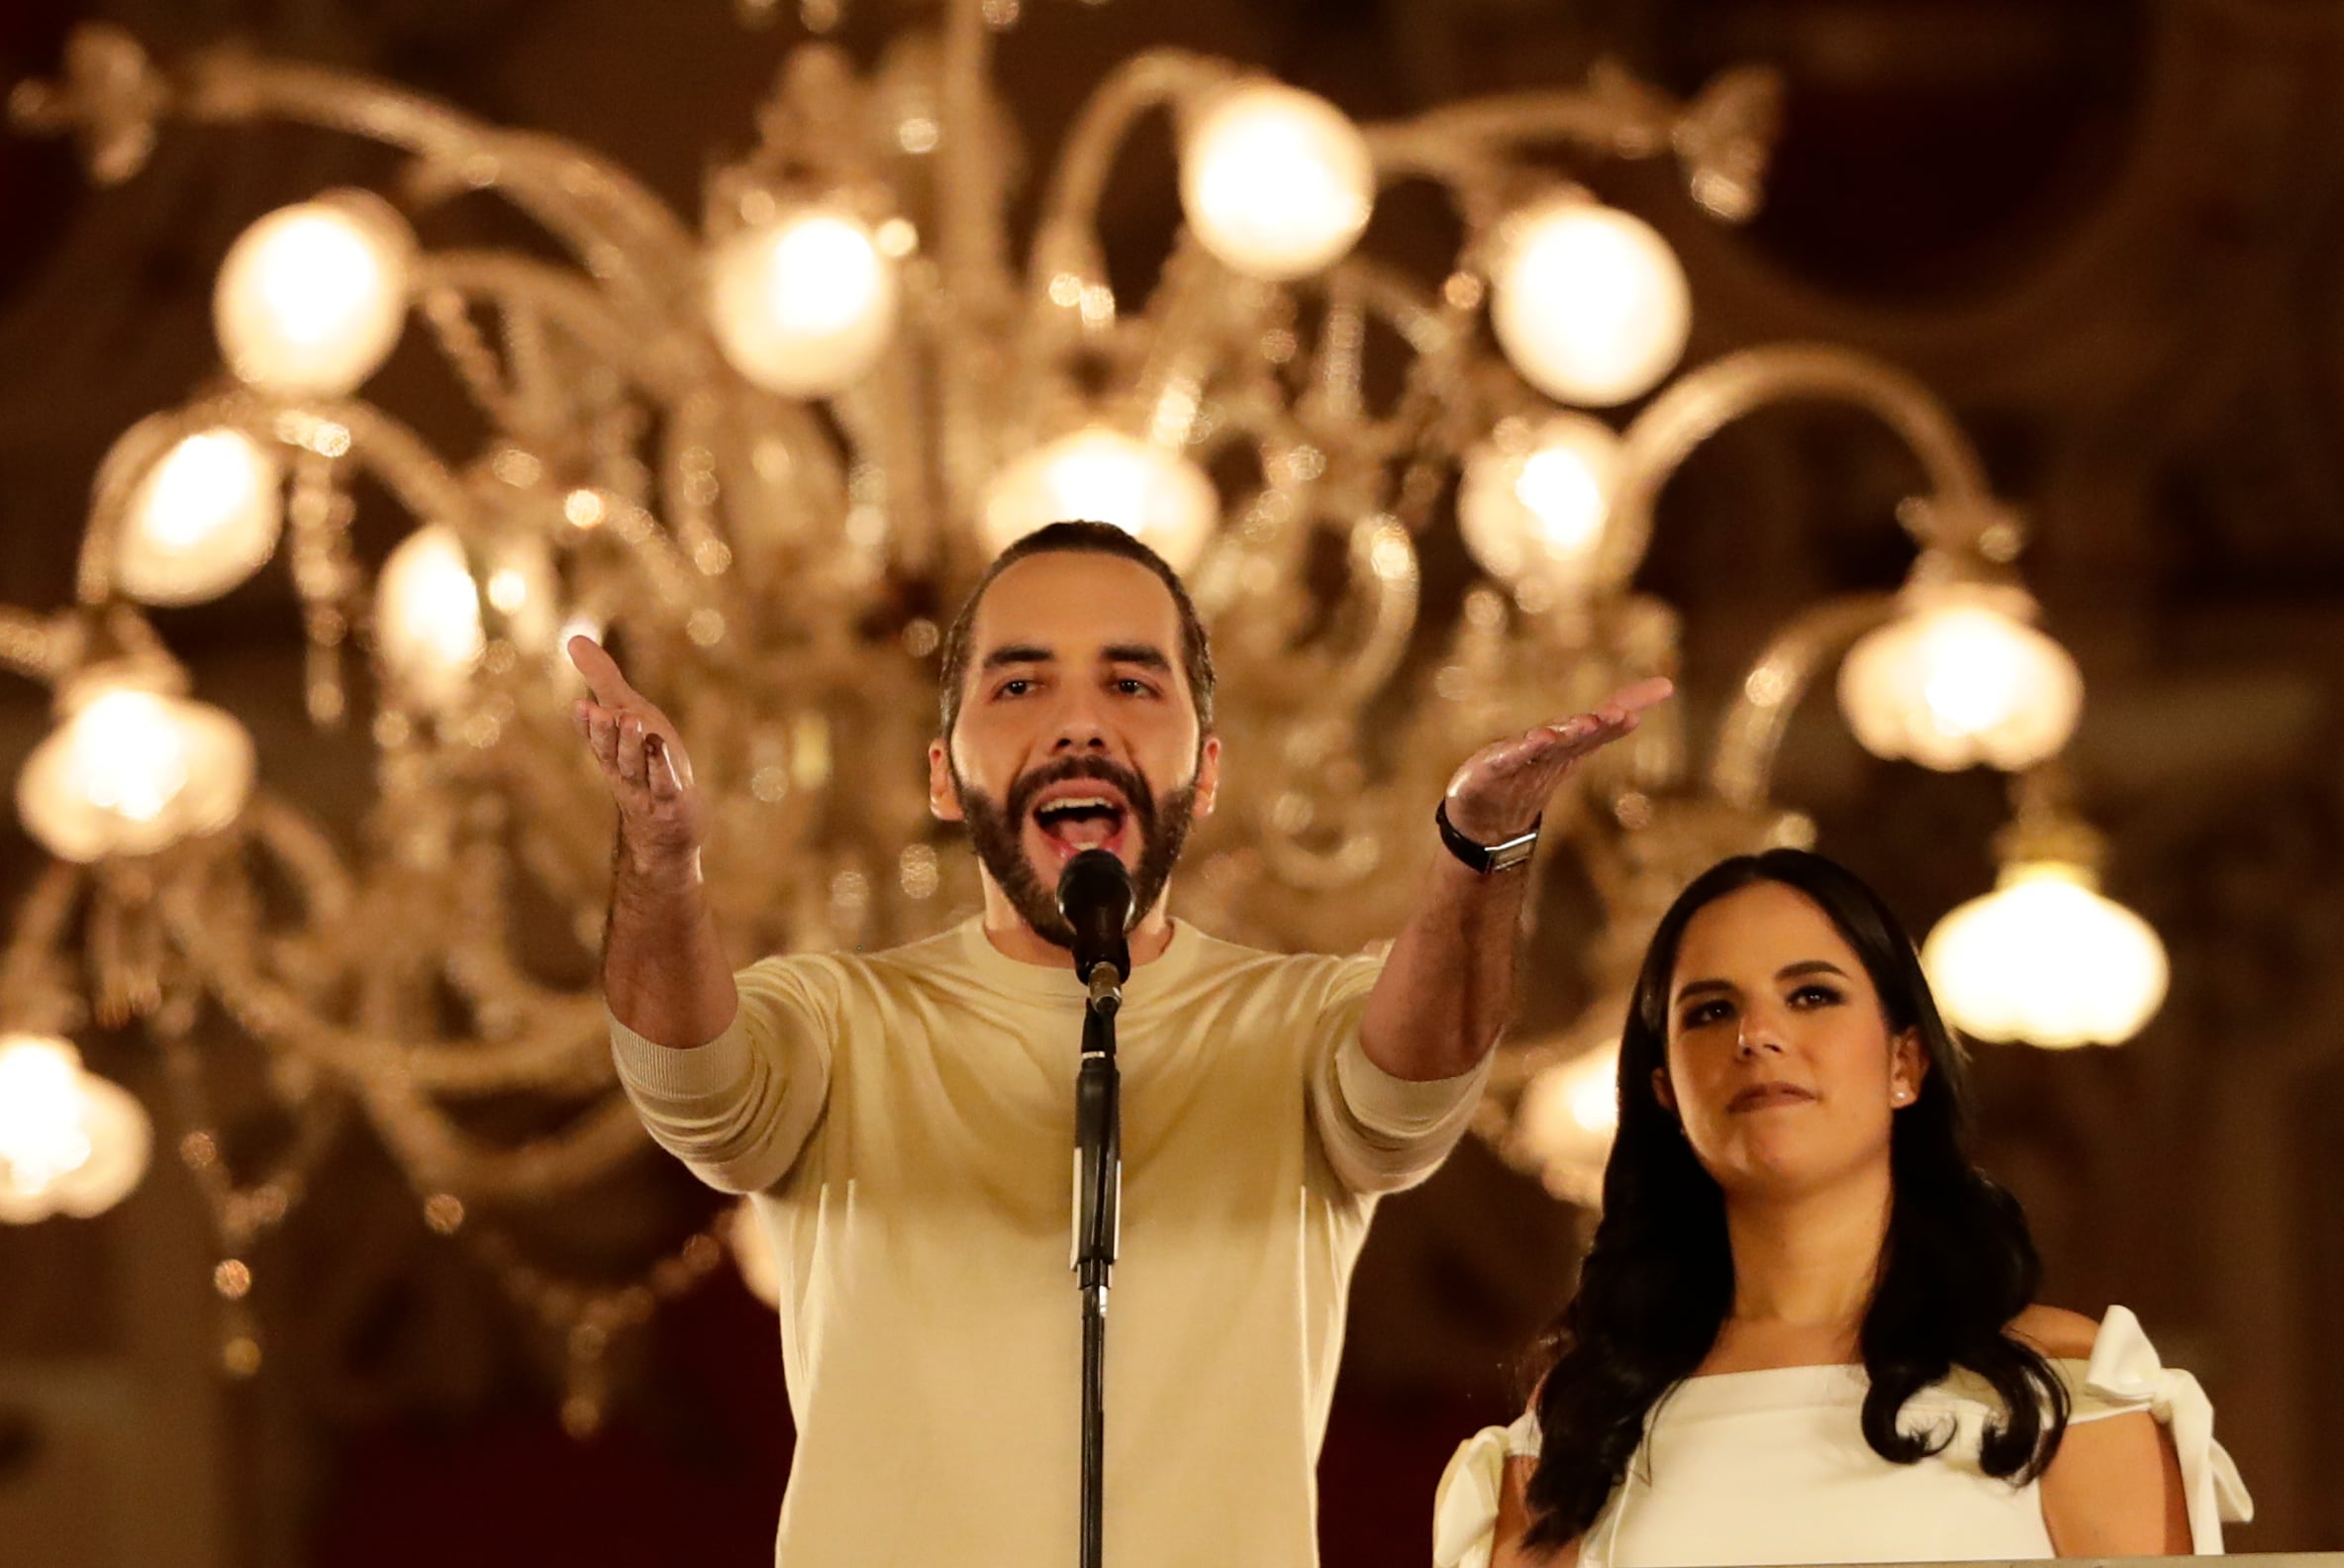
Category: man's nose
<point>1081,725</point>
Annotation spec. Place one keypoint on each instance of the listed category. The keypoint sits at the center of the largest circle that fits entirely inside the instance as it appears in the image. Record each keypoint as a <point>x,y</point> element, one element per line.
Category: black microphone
<point>1095,897</point>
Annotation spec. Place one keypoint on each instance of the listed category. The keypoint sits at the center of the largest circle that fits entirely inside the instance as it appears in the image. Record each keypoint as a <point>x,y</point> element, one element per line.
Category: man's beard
<point>997,832</point>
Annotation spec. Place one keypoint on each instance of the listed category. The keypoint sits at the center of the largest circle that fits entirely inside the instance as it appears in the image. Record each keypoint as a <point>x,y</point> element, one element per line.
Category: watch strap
<point>1485,858</point>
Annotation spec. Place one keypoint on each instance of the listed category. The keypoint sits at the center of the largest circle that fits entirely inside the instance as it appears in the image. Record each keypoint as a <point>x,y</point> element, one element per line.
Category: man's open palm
<point>1503,787</point>
<point>641,758</point>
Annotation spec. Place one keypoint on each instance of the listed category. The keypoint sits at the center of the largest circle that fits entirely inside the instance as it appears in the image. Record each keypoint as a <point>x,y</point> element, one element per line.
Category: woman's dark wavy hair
<point>1958,1264</point>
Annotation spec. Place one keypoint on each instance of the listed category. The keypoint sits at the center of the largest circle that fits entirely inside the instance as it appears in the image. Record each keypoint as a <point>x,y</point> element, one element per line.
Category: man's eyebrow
<point>1017,653</point>
<point>1144,654</point>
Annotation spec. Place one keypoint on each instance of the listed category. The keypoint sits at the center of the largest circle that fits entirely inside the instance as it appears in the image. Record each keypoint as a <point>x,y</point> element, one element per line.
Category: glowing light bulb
<point>1589,303</point>
<point>1961,680</point>
<point>71,1142</point>
<point>310,299</point>
<point>1276,181</point>
<point>1104,476</point>
<point>804,305</point>
<point>44,1133</point>
<point>1533,500</point>
<point>132,771</point>
<point>1566,1121</point>
<point>2045,959</point>
<point>203,519</point>
<point>427,613</point>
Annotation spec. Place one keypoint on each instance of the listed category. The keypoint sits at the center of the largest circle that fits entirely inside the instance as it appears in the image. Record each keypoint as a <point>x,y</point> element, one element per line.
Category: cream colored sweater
<point>906,1120</point>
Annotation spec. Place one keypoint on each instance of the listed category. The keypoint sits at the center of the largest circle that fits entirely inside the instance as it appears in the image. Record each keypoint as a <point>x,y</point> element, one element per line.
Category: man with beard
<point>904,1119</point>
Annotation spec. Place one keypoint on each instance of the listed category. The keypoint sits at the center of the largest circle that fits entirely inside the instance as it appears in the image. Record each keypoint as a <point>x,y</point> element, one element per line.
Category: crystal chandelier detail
<point>764,455</point>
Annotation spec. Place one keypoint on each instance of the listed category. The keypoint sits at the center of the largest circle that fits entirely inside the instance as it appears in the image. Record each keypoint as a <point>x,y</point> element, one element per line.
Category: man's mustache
<point>1130,781</point>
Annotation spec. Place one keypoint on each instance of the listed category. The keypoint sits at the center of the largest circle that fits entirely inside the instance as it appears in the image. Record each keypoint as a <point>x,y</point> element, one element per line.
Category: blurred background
<point>2107,233</point>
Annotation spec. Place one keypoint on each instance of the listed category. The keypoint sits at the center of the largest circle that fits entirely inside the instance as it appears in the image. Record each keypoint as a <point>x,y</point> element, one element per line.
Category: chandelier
<point>764,454</point>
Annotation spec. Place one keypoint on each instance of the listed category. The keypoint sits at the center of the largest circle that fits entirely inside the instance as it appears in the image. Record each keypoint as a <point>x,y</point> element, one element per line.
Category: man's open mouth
<point>1082,815</point>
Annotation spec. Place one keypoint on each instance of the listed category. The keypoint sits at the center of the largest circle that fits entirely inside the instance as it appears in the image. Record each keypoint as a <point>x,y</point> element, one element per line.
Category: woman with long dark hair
<point>1807,1329</point>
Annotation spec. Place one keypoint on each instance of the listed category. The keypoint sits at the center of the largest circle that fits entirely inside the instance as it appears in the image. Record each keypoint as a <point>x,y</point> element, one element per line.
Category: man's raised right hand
<point>642,761</point>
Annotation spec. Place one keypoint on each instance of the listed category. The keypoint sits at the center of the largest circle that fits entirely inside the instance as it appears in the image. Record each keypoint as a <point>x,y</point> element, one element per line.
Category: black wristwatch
<point>1485,858</point>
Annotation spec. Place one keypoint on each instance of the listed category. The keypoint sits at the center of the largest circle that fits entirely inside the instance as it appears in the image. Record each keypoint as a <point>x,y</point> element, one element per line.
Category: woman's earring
<point>1901,1095</point>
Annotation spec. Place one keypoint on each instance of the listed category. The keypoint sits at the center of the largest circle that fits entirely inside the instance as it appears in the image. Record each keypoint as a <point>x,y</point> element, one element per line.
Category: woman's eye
<point>1701,1013</point>
<point>1815,996</point>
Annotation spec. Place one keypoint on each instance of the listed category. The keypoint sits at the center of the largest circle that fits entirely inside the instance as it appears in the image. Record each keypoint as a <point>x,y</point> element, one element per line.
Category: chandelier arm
<point>242,1212</point>
<point>1348,865</point>
<point>973,281</point>
<point>688,490</point>
<point>1615,114</point>
<point>1751,734</point>
<point>880,416</point>
<point>1067,230</point>
<point>677,588</point>
<point>440,1154</point>
<point>975,241</point>
<point>669,359</point>
<point>1358,291</point>
<point>1192,305</point>
<point>1383,561</point>
<point>558,1044</point>
<point>392,452</point>
<point>35,989</point>
<point>616,227</point>
<point>1701,402</point>
<point>35,647</point>
<point>302,849</point>
<point>479,961</point>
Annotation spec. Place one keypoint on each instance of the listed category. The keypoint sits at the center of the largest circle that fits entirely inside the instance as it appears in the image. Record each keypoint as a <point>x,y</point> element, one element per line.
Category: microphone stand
<point>1098,1196</point>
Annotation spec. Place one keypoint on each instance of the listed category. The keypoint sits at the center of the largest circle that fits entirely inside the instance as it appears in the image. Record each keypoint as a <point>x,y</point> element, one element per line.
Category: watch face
<point>1513,852</point>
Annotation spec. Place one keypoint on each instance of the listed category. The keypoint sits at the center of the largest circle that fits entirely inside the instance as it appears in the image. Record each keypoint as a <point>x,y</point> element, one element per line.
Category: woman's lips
<point>1762,1097</point>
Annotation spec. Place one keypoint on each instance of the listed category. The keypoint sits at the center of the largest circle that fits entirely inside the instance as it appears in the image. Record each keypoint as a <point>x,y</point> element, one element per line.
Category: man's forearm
<point>663,971</point>
<point>1447,989</point>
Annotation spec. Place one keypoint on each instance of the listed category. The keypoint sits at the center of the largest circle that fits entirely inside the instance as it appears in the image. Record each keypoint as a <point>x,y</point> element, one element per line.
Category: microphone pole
<point>1095,897</point>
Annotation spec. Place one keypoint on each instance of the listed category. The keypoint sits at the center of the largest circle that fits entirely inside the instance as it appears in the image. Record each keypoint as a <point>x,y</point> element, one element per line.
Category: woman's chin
<point>1779,1167</point>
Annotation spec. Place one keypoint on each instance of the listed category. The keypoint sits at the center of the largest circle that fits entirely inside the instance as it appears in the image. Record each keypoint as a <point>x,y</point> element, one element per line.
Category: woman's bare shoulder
<point>2055,1331</point>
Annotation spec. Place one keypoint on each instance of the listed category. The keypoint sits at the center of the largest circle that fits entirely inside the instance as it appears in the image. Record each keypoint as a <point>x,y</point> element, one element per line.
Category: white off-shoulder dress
<point>1771,1467</point>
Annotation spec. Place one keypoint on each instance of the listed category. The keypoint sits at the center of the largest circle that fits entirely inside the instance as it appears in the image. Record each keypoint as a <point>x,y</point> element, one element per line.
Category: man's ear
<point>1663,1091</point>
<point>944,801</point>
<point>1207,776</point>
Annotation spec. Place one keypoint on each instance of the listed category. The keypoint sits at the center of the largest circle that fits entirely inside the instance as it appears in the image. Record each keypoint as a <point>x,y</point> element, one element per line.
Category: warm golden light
<point>1961,681</point>
<point>131,771</point>
<point>1566,1121</point>
<point>427,615</point>
<point>1102,475</point>
<point>2046,959</point>
<point>1533,500</point>
<point>310,299</point>
<point>71,1142</point>
<point>1277,182</point>
<point>1589,302</point>
<point>203,519</point>
<point>803,306</point>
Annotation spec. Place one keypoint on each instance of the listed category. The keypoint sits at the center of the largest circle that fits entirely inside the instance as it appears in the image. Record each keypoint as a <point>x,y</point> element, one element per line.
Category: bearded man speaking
<point>903,1117</point>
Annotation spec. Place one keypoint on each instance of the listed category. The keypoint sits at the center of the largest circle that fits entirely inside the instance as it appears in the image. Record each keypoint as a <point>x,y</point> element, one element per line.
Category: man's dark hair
<point>1091,539</point>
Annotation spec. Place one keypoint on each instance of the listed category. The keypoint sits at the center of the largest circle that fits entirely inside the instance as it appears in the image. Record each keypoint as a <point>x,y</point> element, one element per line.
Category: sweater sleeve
<point>1381,1133</point>
<point>738,1109</point>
